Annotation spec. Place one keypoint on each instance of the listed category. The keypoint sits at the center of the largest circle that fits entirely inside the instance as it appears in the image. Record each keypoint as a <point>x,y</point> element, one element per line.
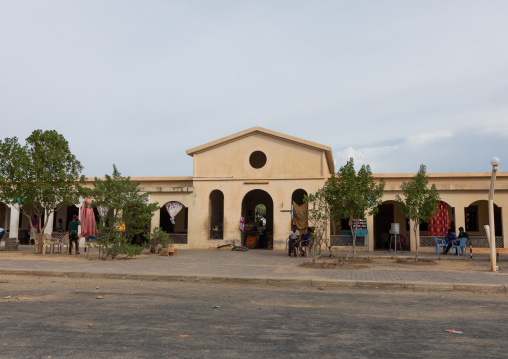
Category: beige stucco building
<point>233,175</point>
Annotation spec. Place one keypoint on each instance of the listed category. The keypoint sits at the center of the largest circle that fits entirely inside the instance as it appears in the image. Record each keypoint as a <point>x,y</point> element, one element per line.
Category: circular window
<point>257,159</point>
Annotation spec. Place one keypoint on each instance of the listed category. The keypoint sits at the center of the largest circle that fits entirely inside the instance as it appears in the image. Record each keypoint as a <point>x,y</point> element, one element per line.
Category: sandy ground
<point>335,263</point>
<point>406,264</point>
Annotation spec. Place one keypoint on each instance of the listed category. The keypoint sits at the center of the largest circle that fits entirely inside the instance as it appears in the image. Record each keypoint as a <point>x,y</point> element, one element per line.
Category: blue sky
<point>394,84</point>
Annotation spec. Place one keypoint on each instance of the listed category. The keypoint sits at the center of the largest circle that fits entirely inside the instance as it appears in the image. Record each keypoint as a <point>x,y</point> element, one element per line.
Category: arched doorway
<point>389,213</point>
<point>477,214</point>
<point>299,218</point>
<point>175,223</point>
<point>298,196</point>
<point>216,214</point>
<point>257,233</point>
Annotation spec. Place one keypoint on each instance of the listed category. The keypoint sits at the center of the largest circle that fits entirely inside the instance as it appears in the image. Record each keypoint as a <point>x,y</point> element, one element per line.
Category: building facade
<point>249,188</point>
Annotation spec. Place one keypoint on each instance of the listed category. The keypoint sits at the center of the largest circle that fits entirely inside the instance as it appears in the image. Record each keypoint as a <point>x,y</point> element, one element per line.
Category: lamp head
<point>494,161</point>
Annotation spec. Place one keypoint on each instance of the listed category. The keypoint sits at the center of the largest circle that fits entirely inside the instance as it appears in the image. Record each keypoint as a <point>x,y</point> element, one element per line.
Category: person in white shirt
<point>294,235</point>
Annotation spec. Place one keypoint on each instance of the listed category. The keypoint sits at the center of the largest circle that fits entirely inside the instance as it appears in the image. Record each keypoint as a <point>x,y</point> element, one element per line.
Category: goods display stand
<point>361,231</point>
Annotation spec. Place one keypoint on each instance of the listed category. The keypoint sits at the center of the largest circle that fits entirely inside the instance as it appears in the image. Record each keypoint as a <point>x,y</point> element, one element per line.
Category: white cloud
<point>119,79</point>
<point>420,139</point>
<point>372,156</point>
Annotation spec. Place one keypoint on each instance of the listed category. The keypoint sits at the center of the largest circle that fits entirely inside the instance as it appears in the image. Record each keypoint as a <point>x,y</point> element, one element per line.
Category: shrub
<point>159,238</point>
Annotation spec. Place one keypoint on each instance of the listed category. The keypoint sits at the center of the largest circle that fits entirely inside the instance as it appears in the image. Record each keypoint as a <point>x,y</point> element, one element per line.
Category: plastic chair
<point>461,246</point>
<point>57,244</point>
<point>61,241</point>
<point>440,243</point>
<point>65,242</point>
<point>47,241</point>
<point>300,249</point>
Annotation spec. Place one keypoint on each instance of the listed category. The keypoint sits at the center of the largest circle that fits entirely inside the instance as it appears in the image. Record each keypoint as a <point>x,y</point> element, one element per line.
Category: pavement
<point>258,267</point>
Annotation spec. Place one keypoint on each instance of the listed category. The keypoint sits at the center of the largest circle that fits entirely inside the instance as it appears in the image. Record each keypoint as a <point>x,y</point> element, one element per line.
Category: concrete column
<point>370,228</point>
<point>49,224</point>
<point>281,223</point>
<point>7,222</point>
<point>156,220</point>
<point>231,219</point>
<point>412,236</point>
<point>504,220</point>
<point>460,219</point>
<point>82,240</point>
<point>14,225</point>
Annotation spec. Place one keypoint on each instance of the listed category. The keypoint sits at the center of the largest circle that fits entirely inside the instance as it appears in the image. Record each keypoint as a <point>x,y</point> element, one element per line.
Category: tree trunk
<point>353,231</point>
<point>417,239</point>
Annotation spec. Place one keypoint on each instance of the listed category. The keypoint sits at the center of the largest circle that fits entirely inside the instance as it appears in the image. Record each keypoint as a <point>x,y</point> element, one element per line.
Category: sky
<point>393,84</point>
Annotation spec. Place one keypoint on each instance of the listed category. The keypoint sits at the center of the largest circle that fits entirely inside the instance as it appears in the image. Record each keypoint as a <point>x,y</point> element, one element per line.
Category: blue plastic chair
<point>439,243</point>
<point>461,246</point>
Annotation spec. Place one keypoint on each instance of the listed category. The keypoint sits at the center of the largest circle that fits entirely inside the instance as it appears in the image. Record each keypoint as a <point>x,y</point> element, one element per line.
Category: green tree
<point>319,216</point>
<point>420,202</point>
<point>128,215</point>
<point>40,176</point>
<point>354,196</point>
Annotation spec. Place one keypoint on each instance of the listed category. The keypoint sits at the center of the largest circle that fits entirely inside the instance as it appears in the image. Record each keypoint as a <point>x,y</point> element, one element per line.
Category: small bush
<point>159,238</point>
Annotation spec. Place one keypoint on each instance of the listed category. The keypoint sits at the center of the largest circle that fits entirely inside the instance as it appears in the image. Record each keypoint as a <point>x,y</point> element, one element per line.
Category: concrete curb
<point>287,283</point>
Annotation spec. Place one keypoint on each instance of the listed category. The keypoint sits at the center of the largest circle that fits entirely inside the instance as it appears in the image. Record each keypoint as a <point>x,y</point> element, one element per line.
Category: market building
<point>249,187</point>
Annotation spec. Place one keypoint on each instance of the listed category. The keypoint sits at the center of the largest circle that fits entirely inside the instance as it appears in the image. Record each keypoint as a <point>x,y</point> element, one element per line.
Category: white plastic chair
<point>47,241</point>
<point>63,241</point>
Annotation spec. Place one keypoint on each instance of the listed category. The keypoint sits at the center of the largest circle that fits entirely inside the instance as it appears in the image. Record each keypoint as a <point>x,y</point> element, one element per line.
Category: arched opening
<point>70,212</point>
<point>174,220</point>
<point>299,206</point>
<point>216,214</point>
<point>389,213</point>
<point>257,233</point>
<point>63,215</point>
<point>261,215</point>
<point>476,215</point>
<point>298,196</point>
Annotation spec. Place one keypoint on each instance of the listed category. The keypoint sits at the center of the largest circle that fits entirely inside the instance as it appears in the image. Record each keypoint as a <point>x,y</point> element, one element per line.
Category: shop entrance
<point>257,209</point>
<point>382,224</point>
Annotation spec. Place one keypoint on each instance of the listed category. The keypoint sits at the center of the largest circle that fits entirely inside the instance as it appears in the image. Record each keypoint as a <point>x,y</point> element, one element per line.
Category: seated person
<point>59,226</point>
<point>294,235</point>
<point>463,234</point>
<point>451,238</point>
<point>304,241</point>
<point>2,232</point>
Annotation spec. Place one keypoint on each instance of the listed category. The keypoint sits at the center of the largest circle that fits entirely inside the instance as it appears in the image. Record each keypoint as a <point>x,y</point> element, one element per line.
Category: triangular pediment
<point>269,133</point>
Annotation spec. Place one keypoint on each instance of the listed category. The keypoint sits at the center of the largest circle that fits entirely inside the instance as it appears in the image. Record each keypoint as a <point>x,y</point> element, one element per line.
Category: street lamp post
<point>492,240</point>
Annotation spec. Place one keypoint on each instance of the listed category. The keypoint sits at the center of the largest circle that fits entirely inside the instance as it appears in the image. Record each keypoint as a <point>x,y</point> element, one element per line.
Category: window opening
<point>257,159</point>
